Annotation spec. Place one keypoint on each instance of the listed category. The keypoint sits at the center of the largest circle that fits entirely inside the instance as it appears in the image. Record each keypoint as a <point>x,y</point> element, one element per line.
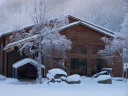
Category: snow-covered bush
<point>63,78</point>
<point>105,79</point>
<point>72,79</point>
<point>56,75</point>
<point>2,77</point>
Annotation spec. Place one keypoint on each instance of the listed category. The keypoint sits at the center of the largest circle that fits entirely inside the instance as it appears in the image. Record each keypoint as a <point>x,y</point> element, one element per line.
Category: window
<point>78,66</point>
<point>79,49</point>
<point>97,48</point>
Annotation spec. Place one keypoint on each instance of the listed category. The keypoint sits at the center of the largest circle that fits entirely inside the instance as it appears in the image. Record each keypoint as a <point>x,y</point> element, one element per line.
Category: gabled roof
<point>25,61</point>
<point>88,24</point>
<point>94,26</point>
<point>78,22</point>
<point>91,26</point>
<point>7,33</point>
<point>61,28</point>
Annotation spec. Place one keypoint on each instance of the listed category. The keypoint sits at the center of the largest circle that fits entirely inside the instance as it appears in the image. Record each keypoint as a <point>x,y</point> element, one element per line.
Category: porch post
<point>16,75</point>
<point>13,72</point>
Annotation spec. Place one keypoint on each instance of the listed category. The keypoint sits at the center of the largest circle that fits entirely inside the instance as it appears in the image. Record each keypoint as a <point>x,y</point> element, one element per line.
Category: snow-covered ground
<point>88,87</point>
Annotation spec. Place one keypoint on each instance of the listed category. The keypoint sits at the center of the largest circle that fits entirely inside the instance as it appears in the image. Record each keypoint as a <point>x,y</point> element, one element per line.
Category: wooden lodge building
<point>82,59</point>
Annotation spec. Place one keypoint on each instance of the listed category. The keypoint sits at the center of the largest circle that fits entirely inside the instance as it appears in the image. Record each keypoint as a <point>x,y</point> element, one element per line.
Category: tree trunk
<point>39,74</point>
<point>126,73</point>
<point>39,67</point>
<point>123,73</point>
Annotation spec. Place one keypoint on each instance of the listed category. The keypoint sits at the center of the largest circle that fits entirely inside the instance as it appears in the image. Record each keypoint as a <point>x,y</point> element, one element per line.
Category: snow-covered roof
<point>22,41</point>
<point>25,61</point>
<point>10,32</point>
<point>94,27</point>
<point>88,24</point>
<point>82,22</point>
<point>61,28</point>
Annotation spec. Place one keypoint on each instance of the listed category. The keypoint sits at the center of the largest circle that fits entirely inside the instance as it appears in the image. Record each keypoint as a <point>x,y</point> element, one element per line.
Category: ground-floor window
<point>78,66</point>
<point>98,64</point>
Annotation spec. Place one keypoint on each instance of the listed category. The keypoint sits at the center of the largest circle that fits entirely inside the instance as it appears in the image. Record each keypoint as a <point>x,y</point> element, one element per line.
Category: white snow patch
<point>25,61</point>
<point>57,71</point>
<point>107,69</point>
<point>11,80</point>
<point>51,73</point>
<point>63,78</point>
<point>117,88</point>
<point>74,77</point>
<point>2,77</point>
<point>102,72</point>
<point>103,77</point>
<point>57,80</point>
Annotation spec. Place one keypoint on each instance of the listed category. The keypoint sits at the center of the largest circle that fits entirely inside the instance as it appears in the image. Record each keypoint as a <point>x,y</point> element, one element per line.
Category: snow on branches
<point>44,38</point>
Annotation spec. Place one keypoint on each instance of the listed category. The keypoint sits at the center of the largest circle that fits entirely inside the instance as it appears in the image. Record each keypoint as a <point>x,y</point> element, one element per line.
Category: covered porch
<point>26,69</point>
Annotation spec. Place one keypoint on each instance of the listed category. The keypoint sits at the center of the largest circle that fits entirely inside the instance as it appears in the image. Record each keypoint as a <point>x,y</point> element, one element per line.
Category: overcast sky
<point>107,13</point>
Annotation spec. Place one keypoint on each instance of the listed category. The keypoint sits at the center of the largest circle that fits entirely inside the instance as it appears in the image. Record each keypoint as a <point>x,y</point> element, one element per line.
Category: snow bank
<point>2,77</point>
<point>74,77</point>
<point>87,87</point>
<point>11,80</point>
<point>103,77</point>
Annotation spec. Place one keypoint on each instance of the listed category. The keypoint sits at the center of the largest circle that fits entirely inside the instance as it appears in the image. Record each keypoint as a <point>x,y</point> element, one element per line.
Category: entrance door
<point>78,66</point>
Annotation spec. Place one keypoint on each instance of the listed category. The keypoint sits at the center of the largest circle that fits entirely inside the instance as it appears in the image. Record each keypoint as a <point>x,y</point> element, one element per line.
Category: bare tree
<point>44,38</point>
